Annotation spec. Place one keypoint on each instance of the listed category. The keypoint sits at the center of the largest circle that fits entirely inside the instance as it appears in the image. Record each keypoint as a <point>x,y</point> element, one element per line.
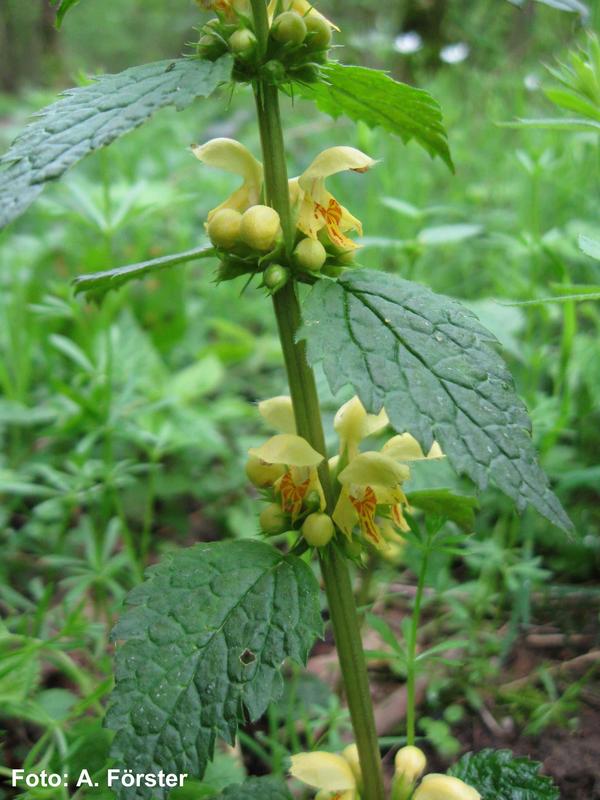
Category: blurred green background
<point>124,428</point>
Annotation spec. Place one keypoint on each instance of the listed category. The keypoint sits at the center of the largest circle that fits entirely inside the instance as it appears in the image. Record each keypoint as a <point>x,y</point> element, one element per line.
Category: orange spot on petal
<point>292,494</point>
<point>365,508</point>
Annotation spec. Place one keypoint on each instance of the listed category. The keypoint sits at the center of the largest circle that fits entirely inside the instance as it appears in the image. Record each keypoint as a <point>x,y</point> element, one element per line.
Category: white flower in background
<point>532,82</point>
<point>408,43</point>
<point>455,53</point>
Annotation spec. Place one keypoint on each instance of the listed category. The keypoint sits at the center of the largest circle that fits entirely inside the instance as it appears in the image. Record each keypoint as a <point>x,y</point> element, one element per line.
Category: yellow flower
<point>300,477</point>
<point>278,412</point>
<point>404,447</point>
<point>353,424</point>
<point>329,772</point>
<point>410,764</point>
<point>228,8</point>
<point>444,787</point>
<point>231,156</point>
<point>350,753</point>
<point>315,207</point>
<point>371,480</point>
<point>302,7</point>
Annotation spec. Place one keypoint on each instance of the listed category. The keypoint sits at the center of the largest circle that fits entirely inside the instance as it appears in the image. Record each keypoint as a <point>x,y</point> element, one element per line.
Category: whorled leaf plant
<point>201,644</point>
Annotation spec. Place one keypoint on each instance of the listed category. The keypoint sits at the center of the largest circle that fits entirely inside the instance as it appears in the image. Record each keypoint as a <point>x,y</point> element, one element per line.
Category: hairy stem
<point>305,401</point>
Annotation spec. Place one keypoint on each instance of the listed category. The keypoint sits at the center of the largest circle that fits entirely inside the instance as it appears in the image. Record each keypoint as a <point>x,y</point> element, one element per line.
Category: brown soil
<point>572,759</point>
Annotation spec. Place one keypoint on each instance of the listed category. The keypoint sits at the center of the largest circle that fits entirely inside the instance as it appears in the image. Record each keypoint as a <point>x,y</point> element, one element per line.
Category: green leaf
<point>87,118</point>
<point>499,775</point>
<point>458,508</point>
<point>571,101</point>
<point>203,639</point>
<point>434,367</point>
<point>580,297</point>
<point>565,124</point>
<point>589,246</point>
<point>97,284</point>
<point>448,234</point>
<point>443,647</point>
<point>63,7</point>
<point>572,6</point>
<point>371,96</point>
<point>257,789</point>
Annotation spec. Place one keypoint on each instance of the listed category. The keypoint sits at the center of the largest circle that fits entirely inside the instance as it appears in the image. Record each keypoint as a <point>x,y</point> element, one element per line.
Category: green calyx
<point>275,277</point>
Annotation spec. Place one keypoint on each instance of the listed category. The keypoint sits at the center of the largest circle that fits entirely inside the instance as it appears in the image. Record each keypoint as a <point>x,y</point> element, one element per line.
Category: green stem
<point>305,401</point>
<point>344,619</point>
<point>411,664</point>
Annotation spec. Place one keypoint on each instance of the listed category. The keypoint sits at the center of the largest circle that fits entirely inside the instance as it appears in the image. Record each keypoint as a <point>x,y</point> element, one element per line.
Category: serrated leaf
<point>203,640</point>
<point>458,508</point>
<point>257,789</point>
<point>435,368</point>
<point>88,118</point>
<point>97,284</point>
<point>375,98</point>
<point>499,775</point>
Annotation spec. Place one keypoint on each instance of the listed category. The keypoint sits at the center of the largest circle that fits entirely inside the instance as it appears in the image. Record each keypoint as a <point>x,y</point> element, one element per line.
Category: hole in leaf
<point>247,657</point>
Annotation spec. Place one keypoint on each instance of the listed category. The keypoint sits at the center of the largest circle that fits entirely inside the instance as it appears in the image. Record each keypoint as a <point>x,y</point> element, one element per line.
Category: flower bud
<point>261,474</point>
<point>410,763</point>
<point>242,42</point>
<point>318,529</point>
<point>318,32</point>
<point>272,520</point>
<point>274,72</point>
<point>289,28</point>
<point>260,227</point>
<point>444,787</point>
<point>210,46</point>
<point>275,276</point>
<point>224,227</point>
<point>309,254</point>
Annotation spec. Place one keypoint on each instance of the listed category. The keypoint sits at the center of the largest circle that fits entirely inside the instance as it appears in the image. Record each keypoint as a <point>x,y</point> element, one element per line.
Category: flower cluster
<point>299,37</point>
<point>370,498</point>
<point>338,777</point>
<point>245,230</point>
